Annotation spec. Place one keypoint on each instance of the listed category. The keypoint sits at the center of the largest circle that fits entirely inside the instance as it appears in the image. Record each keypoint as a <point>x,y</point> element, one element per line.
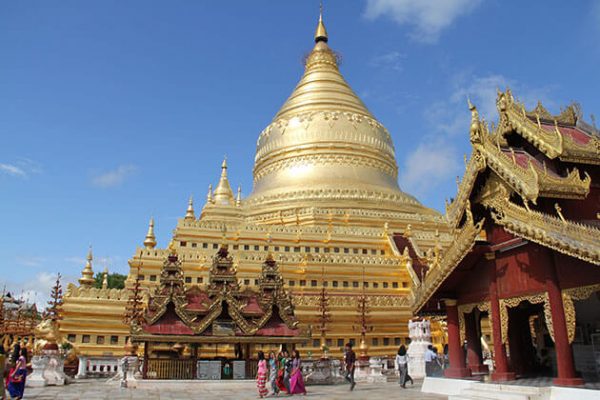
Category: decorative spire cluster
<point>87,275</point>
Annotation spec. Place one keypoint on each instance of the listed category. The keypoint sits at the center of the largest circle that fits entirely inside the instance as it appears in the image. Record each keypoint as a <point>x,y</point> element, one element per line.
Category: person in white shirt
<point>430,361</point>
<point>402,367</point>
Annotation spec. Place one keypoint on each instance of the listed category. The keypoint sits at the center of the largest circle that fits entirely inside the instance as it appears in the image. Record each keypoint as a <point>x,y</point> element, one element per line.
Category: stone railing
<point>97,367</point>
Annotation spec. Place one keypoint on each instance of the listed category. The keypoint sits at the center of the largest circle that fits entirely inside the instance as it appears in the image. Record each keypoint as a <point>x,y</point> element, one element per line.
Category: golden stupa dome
<point>324,148</point>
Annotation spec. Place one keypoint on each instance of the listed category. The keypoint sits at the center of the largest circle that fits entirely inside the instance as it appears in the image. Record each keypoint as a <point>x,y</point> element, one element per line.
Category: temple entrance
<point>586,340</point>
<point>530,347</point>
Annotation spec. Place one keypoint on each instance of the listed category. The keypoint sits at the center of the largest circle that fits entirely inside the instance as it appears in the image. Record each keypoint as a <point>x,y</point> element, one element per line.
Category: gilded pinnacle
<point>223,194</point>
<point>87,275</point>
<point>321,32</point>
<point>189,214</point>
<point>150,241</point>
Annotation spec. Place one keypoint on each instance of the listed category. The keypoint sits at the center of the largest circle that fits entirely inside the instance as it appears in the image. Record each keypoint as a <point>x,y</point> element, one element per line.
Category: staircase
<point>490,391</point>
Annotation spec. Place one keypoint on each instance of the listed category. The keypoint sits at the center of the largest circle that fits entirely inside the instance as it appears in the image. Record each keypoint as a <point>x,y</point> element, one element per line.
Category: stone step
<point>499,387</point>
<point>481,393</point>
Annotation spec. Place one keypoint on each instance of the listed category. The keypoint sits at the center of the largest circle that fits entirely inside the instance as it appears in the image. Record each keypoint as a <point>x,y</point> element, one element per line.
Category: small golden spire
<point>223,194</point>
<point>150,241</point>
<point>209,195</point>
<point>321,32</point>
<point>87,275</point>
<point>189,214</point>
<point>238,200</point>
<point>105,278</point>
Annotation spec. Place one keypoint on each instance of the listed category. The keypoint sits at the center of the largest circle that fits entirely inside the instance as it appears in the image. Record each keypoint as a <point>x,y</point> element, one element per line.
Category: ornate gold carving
<point>380,301</point>
<point>464,239</point>
<point>539,298</point>
<point>467,309</point>
<point>569,296</point>
<point>572,238</point>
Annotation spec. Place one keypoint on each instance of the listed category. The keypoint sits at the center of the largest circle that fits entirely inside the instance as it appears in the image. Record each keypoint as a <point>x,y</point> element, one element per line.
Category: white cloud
<point>428,18</point>
<point>390,60</point>
<point>12,170</point>
<point>33,290</point>
<point>428,166</point>
<point>114,177</point>
<point>438,159</point>
<point>22,168</point>
<point>30,261</point>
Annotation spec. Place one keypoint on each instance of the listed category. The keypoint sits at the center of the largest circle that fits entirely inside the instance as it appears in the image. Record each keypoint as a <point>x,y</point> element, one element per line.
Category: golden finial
<point>189,214</point>
<point>238,200</point>
<point>408,231</point>
<point>105,278</point>
<point>87,275</point>
<point>209,195</point>
<point>171,248</point>
<point>321,32</point>
<point>559,212</point>
<point>223,194</point>
<point>150,241</point>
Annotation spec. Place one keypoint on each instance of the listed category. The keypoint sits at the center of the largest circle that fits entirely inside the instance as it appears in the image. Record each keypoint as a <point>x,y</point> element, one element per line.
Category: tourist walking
<point>261,375</point>
<point>349,361</point>
<point>402,366</point>
<point>296,380</point>
<point>17,375</point>
<point>273,374</point>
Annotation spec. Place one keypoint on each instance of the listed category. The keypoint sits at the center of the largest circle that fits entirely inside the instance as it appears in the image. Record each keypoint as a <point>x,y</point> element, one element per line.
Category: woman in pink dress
<point>296,380</point>
<point>261,375</point>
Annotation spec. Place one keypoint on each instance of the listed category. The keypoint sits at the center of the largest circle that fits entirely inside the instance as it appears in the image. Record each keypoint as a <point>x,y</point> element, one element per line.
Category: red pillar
<point>473,337</point>
<point>564,352</point>
<point>457,368</point>
<point>501,371</point>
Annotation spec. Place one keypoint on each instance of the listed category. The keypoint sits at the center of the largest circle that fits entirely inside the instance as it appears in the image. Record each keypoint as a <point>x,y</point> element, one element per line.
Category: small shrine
<point>212,331</point>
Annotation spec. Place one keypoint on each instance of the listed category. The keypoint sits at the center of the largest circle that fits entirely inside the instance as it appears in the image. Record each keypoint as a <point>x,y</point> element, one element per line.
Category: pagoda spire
<point>87,275</point>
<point>321,32</point>
<point>223,194</point>
<point>150,241</point>
<point>189,214</point>
<point>209,195</point>
<point>238,199</point>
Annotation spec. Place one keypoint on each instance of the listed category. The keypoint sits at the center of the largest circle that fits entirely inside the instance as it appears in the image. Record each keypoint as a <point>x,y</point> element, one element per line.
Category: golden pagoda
<point>325,203</point>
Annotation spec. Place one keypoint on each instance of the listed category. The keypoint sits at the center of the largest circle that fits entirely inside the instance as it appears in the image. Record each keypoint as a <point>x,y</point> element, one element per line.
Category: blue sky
<point>114,111</point>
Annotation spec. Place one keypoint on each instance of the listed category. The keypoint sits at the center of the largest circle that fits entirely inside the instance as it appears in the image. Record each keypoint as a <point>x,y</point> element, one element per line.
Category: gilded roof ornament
<point>223,194</point>
<point>189,214</point>
<point>150,241</point>
<point>321,32</point>
<point>238,199</point>
<point>171,248</point>
<point>87,275</point>
<point>105,278</point>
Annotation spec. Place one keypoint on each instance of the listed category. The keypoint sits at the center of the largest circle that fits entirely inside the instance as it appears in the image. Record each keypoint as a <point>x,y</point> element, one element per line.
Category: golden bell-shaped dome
<point>325,148</point>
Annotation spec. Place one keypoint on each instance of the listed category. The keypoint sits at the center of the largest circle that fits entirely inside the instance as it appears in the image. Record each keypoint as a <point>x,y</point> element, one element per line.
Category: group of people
<point>434,363</point>
<point>282,372</point>
<point>14,373</point>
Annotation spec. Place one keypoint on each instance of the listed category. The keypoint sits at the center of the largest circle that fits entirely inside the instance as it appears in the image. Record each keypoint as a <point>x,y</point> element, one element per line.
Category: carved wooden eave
<point>548,133</point>
<point>565,236</point>
<point>464,240</point>
<point>456,209</point>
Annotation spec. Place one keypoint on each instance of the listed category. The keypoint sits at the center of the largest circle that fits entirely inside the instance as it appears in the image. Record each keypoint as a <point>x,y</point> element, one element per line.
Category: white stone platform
<point>463,389</point>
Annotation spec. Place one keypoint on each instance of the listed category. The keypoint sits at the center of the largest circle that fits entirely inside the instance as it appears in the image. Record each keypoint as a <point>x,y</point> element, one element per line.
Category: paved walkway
<point>92,390</point>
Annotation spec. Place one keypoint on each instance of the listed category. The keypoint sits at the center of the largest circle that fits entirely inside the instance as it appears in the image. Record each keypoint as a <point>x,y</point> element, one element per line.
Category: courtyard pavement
<point>96,389</point>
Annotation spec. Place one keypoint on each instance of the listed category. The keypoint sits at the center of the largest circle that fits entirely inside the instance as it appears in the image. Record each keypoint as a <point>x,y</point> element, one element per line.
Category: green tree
<point>115,281</point>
